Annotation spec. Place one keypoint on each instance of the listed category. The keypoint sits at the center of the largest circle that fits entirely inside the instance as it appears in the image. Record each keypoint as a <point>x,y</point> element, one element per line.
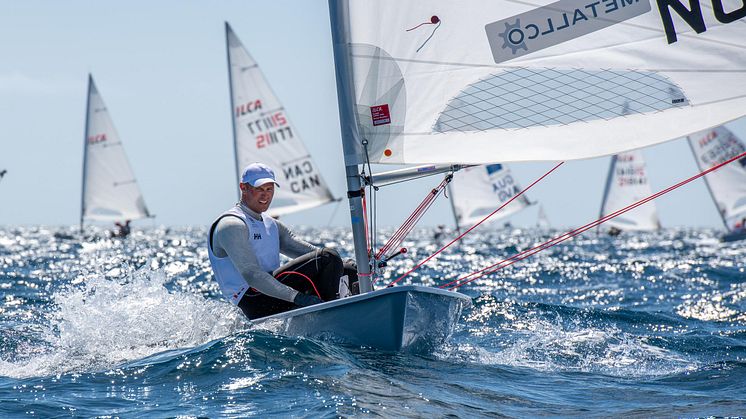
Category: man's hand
<point>304,300</point>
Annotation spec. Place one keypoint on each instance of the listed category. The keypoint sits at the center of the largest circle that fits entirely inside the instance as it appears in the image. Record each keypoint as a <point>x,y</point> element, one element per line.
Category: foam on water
<point>644,324</point>
<point>564,343</point>
<point>106,321</point>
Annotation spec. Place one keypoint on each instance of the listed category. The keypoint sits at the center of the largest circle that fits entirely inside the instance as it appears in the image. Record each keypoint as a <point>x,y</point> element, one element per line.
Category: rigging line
<point>398,237</point>
<point>530,252</point>
<point>334,212</point>
<point>429,37</point>
<point>475,225</point>
<point>407,222</point>
<point>304,276</point>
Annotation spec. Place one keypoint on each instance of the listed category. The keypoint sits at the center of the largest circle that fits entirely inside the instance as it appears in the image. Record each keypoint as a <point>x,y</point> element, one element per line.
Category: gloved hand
<point>350,264</point>
<point>304,300</point>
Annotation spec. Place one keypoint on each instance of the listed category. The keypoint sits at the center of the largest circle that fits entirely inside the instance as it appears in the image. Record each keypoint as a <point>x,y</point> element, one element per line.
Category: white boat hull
<point>408,318</point>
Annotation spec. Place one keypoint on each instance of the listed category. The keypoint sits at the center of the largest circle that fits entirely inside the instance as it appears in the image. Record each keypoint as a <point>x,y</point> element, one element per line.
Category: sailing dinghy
<point>542,221</point>
<point>110,190</point>
<point>263,132</point>
<point>626,184</point>
<point>442,82</point>
<point>727,186</point>
<point>477,190</point>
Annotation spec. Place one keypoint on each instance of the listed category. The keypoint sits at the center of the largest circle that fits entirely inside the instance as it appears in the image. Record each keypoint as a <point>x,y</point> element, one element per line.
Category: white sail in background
<point>626,184</point>
<point>443,81</point>
<point>727,185</point>
<point>477,191</point>
<point>542,221</point>
<point>264,133</point>
<point>110,190</point>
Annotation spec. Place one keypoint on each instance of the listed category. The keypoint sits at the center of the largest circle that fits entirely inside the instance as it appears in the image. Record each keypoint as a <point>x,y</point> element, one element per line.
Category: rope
<point>398,237</point>
<point>304,276</point>
<point>570,234</point>
<point>474,226</point>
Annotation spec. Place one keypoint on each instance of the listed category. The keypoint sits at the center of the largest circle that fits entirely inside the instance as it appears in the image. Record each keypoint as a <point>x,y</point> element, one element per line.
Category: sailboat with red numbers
<point>443,84</point>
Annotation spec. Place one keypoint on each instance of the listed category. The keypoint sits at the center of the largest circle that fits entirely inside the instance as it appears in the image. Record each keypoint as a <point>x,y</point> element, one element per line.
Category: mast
<point>228,30</point>
<point>338,16</point>
<point>85,150</point>
<point>609,179</point>
<point>707,182</point>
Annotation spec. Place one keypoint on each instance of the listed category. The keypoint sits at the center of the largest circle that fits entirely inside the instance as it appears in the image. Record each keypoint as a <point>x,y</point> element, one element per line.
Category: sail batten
<point>110,190</point>
<point>263,132</point>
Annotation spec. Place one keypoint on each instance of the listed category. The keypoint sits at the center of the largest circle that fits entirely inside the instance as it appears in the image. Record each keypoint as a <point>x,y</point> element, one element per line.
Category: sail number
<point>98,138</point>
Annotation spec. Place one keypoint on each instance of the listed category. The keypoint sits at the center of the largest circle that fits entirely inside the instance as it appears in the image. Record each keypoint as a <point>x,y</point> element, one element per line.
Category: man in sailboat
<point>244,246</point>
<point>122,230</point>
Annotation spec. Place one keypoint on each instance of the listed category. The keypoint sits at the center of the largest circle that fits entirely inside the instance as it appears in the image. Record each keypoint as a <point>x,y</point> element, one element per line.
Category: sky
<point>161,69</point>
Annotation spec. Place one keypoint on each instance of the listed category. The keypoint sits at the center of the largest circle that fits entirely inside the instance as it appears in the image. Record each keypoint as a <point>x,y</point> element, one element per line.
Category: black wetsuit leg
<point>322,267</point>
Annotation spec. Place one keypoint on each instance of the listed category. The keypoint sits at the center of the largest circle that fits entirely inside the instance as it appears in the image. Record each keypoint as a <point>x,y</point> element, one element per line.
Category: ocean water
<point>643,325</point>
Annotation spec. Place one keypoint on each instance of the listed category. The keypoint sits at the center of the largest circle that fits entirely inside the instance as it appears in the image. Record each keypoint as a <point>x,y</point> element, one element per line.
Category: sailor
<point>122,230</point>
<point>244,247</point>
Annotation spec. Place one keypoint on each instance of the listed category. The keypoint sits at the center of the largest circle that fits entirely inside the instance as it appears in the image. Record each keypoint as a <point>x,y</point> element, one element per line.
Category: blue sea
<point>641,325</point>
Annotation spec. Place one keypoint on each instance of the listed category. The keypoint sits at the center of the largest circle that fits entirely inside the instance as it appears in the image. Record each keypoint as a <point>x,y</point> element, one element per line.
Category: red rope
<point>365,223</point>
<point>570,234</point>
<point>304,276</point>
<point>398,237</point>
<point>474,226</point>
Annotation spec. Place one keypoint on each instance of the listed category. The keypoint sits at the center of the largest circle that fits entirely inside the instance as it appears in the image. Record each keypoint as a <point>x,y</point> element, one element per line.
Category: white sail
<point>444,81</point>
<point>626,184</point>
<point>477,191</point>
<point>264,133</point>
<point>542,221</point>
<point>728,184</point>
<point>110,190</point>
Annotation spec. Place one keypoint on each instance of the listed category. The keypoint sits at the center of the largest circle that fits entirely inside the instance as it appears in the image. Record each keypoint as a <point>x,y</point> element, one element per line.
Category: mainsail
<point>478,190</point>
<point>110,190</point>
<point>451,82</point>
<point>727,185</point>
<point>542,221</point>
<point>626,184</point>
<point>483,81</point>
<point>263,132</point>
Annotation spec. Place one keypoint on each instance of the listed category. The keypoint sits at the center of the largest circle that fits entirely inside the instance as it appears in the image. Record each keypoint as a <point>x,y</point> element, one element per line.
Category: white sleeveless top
<point>265,242</point>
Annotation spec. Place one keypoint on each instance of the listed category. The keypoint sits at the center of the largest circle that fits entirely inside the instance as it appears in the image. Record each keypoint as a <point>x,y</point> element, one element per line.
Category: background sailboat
<point>110,189</point>
<point>727,186</point>
<point>263,132</point>
<point>542,221</point>
<point>478,190</point>
<point>626,184</point>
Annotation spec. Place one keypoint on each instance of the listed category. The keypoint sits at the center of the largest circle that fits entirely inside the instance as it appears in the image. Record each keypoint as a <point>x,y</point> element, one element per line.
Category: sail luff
<point>85,150</point>
<point>228,31</point>
<point>339,19</point>
<point>689,140</point>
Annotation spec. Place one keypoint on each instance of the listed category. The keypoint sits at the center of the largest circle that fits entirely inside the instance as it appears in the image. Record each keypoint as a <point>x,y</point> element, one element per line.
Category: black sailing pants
<point>323,268</point>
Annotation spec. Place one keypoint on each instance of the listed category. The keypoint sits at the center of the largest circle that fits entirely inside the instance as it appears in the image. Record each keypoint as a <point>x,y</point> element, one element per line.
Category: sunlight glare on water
<point>607,326</point>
